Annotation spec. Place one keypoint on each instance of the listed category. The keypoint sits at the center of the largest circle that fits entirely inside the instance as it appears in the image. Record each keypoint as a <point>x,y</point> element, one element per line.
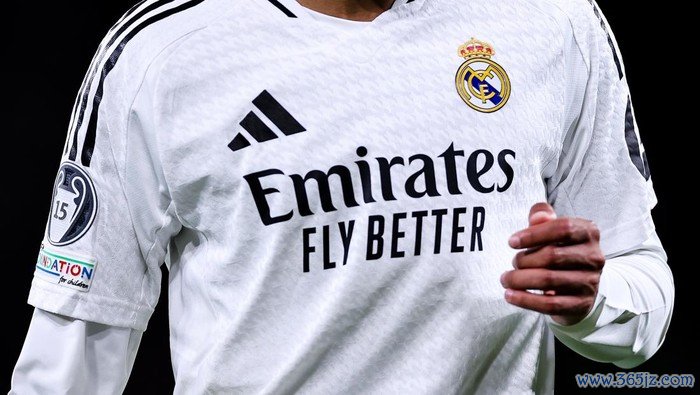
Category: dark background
<point>51,44</point>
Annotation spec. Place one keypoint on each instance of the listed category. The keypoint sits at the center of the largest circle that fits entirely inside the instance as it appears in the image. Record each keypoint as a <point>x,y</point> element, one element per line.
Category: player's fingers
<point>561,231</point>
<point>576,257</point>
<point>541,212</point>
<point>566,282</point>
<point>552,305</point>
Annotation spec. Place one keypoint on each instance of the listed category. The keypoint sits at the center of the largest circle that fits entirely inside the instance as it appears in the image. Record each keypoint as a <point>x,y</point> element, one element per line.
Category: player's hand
<point>562,258</point>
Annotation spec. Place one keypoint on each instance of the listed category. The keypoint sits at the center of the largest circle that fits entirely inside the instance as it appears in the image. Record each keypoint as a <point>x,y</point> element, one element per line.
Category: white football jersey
<point>334,198</point>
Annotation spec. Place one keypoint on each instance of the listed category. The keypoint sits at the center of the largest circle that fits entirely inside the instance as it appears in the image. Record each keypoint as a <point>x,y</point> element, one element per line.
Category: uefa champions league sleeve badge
<point>482,83</point>
<point>73,206</point>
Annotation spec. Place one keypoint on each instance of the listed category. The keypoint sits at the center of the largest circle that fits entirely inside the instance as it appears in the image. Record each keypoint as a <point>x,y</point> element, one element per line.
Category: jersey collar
<point>399,10</point>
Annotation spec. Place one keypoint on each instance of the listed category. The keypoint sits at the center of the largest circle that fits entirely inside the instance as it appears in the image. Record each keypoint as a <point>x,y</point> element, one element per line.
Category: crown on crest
<point>476,49</point>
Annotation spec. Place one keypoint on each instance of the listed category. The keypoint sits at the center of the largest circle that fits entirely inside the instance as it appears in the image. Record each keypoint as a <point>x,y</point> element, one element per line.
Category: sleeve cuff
<point>92,308</point>
<point>585,326</point>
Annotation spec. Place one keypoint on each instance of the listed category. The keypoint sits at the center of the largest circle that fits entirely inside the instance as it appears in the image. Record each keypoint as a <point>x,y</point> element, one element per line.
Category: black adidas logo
<point>258,130</point>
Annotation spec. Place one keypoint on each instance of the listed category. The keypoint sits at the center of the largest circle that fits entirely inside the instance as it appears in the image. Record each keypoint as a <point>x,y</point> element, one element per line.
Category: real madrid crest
<point>482,83</point>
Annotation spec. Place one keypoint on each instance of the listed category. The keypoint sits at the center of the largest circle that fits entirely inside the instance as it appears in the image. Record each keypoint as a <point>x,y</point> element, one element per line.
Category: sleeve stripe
<point>90,134</point>
<point>111,60</point>
<point>639,158</point>
<point>615,52</point>
<point>282,8</point>
<point>97,58</point>
<point>82,99</point>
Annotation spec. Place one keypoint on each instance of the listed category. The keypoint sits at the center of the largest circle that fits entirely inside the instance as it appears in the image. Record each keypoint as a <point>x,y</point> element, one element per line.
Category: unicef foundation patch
<point>68,271</point>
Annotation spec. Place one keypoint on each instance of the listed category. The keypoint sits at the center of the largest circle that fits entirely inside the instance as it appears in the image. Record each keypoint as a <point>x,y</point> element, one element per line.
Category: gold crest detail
<point>482,83</point>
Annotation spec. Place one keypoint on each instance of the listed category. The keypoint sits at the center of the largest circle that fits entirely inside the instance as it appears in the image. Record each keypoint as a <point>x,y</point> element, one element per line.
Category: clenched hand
<point>560,257</point>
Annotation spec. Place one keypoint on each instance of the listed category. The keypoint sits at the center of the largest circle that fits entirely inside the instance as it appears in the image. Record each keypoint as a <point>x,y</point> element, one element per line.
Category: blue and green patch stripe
<point>57,265</point>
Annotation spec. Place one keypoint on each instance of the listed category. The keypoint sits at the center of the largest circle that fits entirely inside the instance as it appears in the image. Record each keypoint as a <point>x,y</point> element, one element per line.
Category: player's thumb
<point>540,213</point>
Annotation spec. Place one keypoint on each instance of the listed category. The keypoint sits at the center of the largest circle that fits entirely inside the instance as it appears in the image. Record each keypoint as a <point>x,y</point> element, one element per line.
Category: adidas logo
<point>258,129</point>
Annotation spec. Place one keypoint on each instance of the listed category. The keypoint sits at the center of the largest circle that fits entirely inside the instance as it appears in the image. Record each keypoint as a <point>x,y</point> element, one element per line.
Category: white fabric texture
<point>276,285</point>
<point>624,327</point>
<point>632,312</point>
<point>64,355</point>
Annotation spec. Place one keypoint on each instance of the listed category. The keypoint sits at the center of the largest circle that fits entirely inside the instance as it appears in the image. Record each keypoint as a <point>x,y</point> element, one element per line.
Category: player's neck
<point>355,10</point>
